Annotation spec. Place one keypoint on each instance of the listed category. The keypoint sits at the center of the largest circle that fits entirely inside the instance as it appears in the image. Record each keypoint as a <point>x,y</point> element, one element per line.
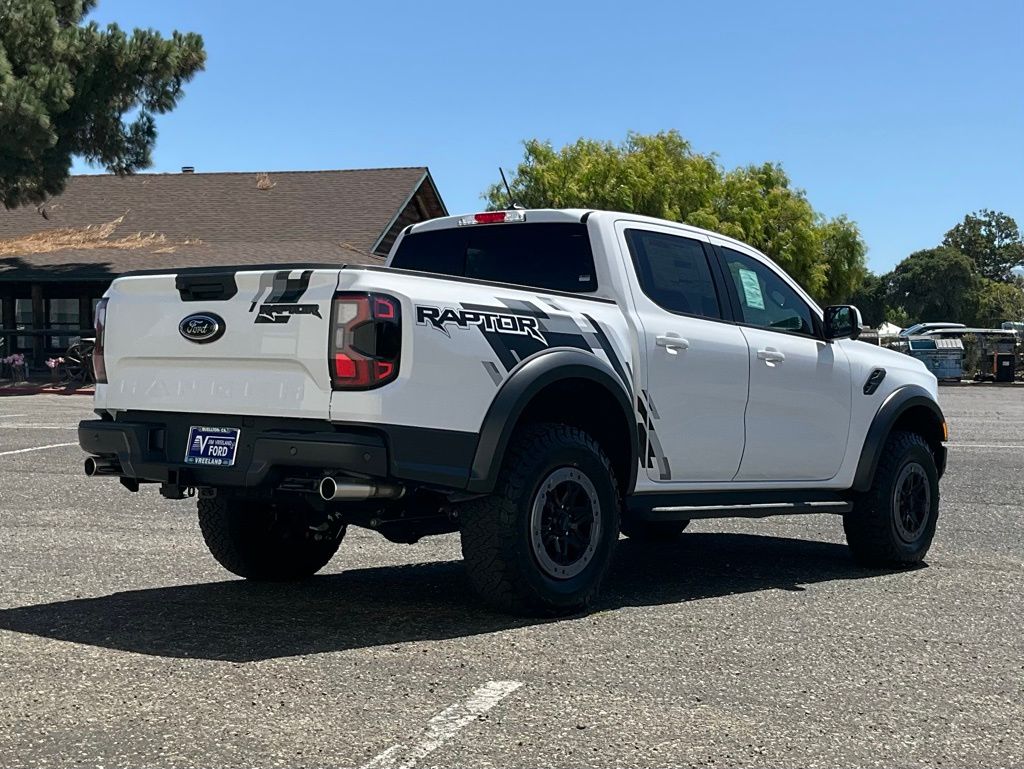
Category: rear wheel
<point>542,542</point>
<point>263,541</point>
<point>654,531</point>
<point>893,524</point>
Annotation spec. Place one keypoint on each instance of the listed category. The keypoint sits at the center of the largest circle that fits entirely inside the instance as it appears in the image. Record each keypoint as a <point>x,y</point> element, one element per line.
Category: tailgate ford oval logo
<point>202,327</point>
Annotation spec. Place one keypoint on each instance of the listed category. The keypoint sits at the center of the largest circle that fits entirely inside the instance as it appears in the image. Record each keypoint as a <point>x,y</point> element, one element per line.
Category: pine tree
<point>66,87</point>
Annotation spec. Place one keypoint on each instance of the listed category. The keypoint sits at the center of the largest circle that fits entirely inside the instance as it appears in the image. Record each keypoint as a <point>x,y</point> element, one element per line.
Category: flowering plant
<point>14,360</point>
<point>52,363</point>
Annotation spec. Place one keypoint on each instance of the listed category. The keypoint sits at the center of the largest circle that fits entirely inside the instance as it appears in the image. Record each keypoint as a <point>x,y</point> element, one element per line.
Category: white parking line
<point>8,416</point>
<point>27,426</point>
<point>36,448</point>
<point>985,445</point>
<point>442,727</point>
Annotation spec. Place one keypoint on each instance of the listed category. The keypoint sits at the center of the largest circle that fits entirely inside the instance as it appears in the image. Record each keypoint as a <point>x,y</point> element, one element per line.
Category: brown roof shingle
<point>105,225</point>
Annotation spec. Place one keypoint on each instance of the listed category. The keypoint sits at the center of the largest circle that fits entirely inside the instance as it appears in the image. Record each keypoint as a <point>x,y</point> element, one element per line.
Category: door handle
<point>771,356</point>
<point>673,343</point>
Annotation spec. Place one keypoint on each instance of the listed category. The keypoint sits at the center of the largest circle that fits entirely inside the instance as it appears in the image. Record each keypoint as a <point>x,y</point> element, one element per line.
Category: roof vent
<point>188,169</point>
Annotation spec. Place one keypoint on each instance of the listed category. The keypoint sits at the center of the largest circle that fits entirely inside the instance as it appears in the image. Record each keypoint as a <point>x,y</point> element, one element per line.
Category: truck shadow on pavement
<point>239,621</point>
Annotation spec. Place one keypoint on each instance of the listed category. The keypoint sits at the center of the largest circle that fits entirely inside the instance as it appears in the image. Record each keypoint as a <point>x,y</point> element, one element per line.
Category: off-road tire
<point>258,541</point>
<point>496,532</point>
<point>872,529</point>
<point>653,531</point>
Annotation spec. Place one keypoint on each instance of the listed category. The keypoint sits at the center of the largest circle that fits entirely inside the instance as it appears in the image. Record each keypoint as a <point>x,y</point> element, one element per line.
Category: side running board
<point>733,505</point>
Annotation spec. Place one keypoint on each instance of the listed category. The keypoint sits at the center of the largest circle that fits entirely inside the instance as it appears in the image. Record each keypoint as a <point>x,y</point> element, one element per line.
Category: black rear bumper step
<point>155,451</point>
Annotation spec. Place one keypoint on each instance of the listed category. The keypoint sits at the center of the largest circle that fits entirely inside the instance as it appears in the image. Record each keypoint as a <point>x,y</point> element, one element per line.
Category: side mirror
<point>842,321</point>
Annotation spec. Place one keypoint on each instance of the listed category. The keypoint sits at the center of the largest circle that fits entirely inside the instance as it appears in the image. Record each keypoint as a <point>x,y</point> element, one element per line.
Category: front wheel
<point>893,524</point>
<point>263,541</point>
<point>542,542</point>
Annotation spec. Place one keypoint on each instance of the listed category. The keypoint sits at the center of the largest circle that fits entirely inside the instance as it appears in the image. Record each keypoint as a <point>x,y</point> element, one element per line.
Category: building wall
<point>34,308</point>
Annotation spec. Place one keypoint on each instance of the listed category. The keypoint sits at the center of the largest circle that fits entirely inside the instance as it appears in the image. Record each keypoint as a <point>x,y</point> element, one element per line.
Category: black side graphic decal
<point>609,351</point>
<point>492,372</point>
<point>655,455</point>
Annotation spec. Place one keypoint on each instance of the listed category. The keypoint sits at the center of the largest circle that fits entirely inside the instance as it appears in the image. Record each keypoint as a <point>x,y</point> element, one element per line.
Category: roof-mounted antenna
<point>508,190</point>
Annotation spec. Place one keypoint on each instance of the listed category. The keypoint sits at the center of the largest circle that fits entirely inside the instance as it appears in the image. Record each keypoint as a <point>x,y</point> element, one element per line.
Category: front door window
<point>766,300</point>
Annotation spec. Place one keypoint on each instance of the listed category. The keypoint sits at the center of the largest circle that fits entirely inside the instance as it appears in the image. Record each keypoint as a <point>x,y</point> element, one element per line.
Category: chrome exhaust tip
<point>346,490</point>
<point>101,466</point>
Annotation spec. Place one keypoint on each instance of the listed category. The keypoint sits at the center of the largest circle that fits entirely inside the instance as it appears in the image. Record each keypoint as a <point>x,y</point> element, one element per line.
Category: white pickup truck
<point>536,380</point>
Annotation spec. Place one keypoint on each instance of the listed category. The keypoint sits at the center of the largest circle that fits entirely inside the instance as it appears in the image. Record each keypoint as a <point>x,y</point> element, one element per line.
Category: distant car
<point>924,328</point>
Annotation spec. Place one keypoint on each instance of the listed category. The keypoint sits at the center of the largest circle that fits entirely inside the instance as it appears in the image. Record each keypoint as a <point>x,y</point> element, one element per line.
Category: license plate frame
<point>212,446</point>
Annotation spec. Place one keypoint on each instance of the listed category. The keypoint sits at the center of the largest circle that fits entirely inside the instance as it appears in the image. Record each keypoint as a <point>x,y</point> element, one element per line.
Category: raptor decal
<point>486,319</point>
<point>278,297</point>
<point>516,329</point>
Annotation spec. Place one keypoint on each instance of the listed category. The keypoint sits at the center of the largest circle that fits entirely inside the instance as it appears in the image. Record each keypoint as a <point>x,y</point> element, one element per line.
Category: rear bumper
<point>150,446</point>
<point>155,451</point>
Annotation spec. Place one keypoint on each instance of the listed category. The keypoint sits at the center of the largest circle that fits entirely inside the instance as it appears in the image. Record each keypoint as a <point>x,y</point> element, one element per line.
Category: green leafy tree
<point>871,298</point>
<point>661,175</point>
<point>898,317</point>
<point>656,175</point>
<point>936,284</point>
<point>997,302</point>
<point>992,240</point>
<point>69,88</point>
<point>845,255</point>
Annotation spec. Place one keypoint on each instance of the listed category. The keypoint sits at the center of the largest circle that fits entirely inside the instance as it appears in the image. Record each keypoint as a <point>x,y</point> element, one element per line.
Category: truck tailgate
<point>268,358</point>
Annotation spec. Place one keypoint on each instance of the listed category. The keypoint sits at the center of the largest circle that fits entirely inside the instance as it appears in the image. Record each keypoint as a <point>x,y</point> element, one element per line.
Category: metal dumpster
<point>1003,366</point>
<point>943,357</point>
<point>997,355</point>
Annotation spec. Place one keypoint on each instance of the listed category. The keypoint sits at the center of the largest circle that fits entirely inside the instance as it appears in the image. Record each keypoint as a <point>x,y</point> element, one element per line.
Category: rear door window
<point>674,272</point>
<point>553,256</point>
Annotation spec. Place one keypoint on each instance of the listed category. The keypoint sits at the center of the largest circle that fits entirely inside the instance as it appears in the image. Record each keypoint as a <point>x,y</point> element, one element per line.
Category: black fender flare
<point>895,404</point>
<point>528,379</point>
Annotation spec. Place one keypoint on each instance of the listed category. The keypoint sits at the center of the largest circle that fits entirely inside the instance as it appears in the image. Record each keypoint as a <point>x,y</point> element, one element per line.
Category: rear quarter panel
<point>461,341</point>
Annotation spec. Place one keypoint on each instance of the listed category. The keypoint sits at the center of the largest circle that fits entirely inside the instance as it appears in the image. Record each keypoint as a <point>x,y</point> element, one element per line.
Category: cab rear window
<point>553,256</point>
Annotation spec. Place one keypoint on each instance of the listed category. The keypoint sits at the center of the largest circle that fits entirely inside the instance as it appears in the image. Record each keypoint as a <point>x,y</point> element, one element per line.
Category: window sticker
<point>751,289</point>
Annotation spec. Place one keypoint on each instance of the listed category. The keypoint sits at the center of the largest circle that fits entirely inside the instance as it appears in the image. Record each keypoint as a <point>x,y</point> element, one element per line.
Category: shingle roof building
<point>58,258</point>
<point>103,225</point>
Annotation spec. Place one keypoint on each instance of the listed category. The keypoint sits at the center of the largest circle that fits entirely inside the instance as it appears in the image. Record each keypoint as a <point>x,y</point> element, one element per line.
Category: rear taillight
<point>366,340</point>
<point>99,366</point>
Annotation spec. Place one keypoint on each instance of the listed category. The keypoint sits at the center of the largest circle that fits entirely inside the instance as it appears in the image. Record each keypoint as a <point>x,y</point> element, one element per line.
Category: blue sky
<point>903,115</point>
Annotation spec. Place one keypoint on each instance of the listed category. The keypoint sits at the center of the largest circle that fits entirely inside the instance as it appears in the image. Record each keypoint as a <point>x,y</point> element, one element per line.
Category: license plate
<point>212,446</point>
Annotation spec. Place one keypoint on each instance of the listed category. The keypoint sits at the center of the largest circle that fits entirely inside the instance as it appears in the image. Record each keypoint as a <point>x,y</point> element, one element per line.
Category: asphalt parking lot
<point>754,643</point>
